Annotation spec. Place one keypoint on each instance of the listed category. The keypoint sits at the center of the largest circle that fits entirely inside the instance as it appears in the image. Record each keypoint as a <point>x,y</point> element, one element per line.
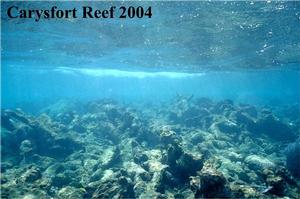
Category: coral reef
<point>190,148</point>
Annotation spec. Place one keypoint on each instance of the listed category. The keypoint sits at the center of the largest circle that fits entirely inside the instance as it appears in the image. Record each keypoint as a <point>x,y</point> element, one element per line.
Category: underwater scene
<point>192,99</point>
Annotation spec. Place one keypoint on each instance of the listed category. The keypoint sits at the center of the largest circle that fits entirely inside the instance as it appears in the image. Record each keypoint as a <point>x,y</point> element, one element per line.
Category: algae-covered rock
<point>136,172</point>
<point>162,180</point>
<point>30,136</point>
<point>244,191</point>
<point>256,162</point>
<point>223,107</point>
<point>212,184</point>
<point>187,165</point>
<point>185,112</point>
<point>140,158</point>
<point>11,120</point>
<point>69,192</point>
<point>26,147</point>
<point>278,180</point>
<point>174,152</point>
<point>181,164</point>
<point>277,184</point>
<point>168,136</point>
<point>63,146</point>
<point>249,110</point>
<point>228,126</point>
<point>233,156</point>
<point>244,120</point>
<point>5,166</point>
<point>196,138</point>
<point>117,187</point>
<point>31,175</point>
<point>109,157</point>
<point>61,179</point>
<point>273,127</point>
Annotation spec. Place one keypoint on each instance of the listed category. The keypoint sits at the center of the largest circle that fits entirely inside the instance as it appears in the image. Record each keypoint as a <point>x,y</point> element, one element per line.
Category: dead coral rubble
<point>190,148</point>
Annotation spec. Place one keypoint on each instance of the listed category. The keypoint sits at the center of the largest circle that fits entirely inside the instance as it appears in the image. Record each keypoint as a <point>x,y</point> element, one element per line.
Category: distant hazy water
<point>23,87</point>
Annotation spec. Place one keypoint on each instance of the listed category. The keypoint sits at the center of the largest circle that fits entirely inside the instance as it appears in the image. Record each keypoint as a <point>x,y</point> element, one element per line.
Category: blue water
<point>245,51</point>
<point>264,87</point>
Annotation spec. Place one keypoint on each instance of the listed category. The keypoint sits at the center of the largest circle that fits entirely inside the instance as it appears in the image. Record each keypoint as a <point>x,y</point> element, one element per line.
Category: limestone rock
<point>256,162</point>
<point>69,192</point>
<point>117,187</point>
<point>274,128</point>
<point>212,184</point>
<point>32,174</point>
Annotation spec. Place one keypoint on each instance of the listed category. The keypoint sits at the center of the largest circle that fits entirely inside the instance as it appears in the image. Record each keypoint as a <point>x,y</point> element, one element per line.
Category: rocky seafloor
<point>187,148</point>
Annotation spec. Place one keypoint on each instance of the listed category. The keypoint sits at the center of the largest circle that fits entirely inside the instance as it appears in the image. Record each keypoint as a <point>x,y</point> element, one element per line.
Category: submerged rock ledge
<point>190,148</point>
